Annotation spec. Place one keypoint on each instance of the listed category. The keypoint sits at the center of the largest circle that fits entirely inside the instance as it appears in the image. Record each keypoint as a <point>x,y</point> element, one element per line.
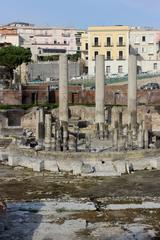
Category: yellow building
<point>111,41</point>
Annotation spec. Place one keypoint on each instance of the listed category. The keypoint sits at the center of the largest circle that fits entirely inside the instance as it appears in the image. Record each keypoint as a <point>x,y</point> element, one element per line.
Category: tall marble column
<point>63,88</point>
<point>132,90</point>
<point>99,95</point>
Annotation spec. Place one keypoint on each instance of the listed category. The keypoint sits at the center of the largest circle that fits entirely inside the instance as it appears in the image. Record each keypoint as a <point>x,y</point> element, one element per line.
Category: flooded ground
<point>46,206</point>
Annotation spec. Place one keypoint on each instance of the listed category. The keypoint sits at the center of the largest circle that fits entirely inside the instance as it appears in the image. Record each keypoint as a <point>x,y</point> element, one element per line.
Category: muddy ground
<point>89,219</point>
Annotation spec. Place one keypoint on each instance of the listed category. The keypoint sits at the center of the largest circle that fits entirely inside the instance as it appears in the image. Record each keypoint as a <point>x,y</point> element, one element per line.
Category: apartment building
<point>146,43</point>
<point>111,41</point>
<point>9,36</point>
<point>43,41</point>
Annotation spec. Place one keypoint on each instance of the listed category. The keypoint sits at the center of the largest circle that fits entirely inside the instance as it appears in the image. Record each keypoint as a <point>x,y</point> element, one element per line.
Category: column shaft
<point>132,90</point>
<point>63,88</point>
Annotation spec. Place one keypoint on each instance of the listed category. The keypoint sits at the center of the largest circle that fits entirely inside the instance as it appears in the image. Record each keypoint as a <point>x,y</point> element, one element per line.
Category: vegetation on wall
<point>71,57</point>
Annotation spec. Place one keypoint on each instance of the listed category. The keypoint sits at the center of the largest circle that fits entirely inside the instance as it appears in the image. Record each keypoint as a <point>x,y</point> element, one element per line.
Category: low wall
<point>90,164</point>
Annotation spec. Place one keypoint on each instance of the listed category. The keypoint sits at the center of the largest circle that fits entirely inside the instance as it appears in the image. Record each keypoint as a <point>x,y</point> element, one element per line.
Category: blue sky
<point>81,13</point>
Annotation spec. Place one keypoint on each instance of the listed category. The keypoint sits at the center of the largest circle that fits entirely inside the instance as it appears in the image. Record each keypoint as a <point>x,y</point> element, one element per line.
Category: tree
<point>11,57</point>
<point>74,57</point>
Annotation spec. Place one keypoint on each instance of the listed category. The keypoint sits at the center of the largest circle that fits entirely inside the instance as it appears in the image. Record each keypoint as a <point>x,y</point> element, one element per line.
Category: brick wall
<point>12,97</point>
<point>35,94</point>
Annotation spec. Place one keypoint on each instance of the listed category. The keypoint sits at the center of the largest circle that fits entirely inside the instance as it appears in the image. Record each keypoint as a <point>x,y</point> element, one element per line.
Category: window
<point>120,41</point>
<point>55,41</point>
<point>120,55</point>
<point>86,47</point>
<point>155,66</point>
<point>96,42</point>
<point>108,69</point>
<point>65,42</point>
<point>108,41</point>
<point>86,58</point>
<point>143,38</point>
<point>108,55</point>
<point>78,48</point>
<point>95,54</point>
<point>120,69</point>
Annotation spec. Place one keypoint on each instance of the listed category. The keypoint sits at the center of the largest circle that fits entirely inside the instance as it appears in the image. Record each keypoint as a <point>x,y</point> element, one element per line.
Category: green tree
<point>74,57</point>
<point>11,57</point>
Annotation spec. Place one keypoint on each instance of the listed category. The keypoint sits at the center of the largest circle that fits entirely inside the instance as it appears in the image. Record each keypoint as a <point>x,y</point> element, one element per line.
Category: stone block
<point>13,161</point>
<point>65,165</point>
<point>155,163</point>
<point>3,156</point>
<point>139,164</point>
<point>50,165</point>
<point>87,169</point>
<point>26,162</point>
<point>76,167</point>
<point>120,166</point>
<point>38,165</point>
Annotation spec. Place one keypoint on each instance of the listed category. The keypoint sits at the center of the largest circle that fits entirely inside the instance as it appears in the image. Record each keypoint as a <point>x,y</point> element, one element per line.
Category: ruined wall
<point>28,121</point>
<point>12,97</point>
<point>35,94</point>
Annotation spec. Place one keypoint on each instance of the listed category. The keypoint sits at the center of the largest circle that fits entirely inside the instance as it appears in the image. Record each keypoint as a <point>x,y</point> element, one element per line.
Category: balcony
<point>121,45</point>
<point>96,45</point>
<point>108,45</point>
<point>108,59</point>
<point>121,58</point>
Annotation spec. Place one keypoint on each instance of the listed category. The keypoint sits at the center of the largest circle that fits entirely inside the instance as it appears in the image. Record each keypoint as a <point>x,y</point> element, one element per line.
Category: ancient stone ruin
<point>82,139</point>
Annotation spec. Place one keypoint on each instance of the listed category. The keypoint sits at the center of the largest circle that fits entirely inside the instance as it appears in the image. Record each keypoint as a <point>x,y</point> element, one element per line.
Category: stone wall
<point>28,121</point>
<point>12,97</point>
<point>51,70</point>
<point>35,94</point>
<point>91,164</point>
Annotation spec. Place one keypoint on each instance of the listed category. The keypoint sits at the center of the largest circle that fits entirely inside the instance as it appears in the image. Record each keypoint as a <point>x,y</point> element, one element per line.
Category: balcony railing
<point>121,58</point>
<point>108,59</point>
<point>121,45</point>
<point>96,45</point>
<point>108,45</point>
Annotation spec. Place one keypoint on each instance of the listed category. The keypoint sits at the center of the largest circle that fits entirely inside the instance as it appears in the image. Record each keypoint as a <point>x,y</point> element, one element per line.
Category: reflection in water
<point>56,220</point>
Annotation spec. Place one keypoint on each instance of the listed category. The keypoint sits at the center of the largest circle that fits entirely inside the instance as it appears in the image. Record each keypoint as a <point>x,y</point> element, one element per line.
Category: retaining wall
<point>90,164</point>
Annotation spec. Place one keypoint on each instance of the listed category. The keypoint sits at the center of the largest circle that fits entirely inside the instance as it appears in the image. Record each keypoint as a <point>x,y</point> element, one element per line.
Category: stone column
<point>99,94</point>
<point>40,125</point>
<point>132,90</point>
<point>125,134</point>
<point>65,136</point>
<point>63,89</point>
<point>53,139</point>
<point>48,131</point>
<point>140,136</point>
<point>63,99</point>
<point>115,136</point>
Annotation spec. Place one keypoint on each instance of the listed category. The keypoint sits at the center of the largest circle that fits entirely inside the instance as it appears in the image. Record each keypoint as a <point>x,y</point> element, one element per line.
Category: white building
<point>146,43</point>
<point>44,41</point>
<point>13,39</point>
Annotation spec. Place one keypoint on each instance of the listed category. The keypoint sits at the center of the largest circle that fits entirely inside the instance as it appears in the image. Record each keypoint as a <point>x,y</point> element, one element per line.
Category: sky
<point>81,13</point>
